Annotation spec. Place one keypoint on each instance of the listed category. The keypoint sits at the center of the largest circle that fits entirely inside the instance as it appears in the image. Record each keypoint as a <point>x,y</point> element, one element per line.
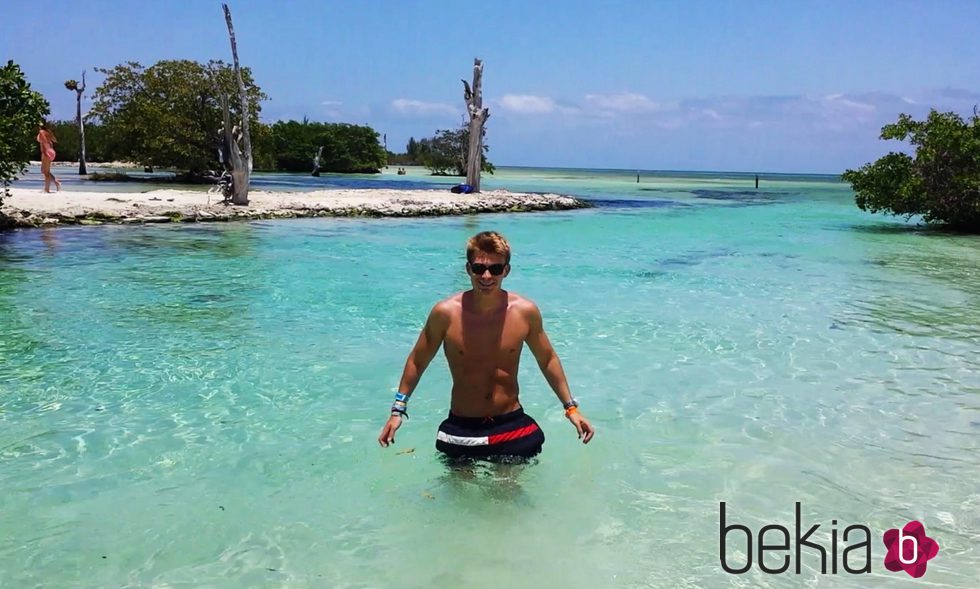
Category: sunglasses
<point>479,269</point>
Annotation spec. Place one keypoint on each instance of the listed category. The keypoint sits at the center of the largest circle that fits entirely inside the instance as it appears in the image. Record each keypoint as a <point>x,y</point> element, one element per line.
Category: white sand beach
<point>33,208</point>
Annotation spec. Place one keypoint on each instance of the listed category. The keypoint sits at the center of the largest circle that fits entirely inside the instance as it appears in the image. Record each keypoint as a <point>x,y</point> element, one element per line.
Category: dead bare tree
<point>240,146</point>
<point>478,118</point>
<point>79,89</point>
<point>316,162</point>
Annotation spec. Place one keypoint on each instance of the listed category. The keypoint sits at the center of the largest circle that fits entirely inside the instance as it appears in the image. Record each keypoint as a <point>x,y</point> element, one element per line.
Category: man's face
<point>487,272</point>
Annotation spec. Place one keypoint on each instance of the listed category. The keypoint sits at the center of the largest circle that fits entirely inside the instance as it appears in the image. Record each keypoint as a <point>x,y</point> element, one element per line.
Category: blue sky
<point>669,85</point>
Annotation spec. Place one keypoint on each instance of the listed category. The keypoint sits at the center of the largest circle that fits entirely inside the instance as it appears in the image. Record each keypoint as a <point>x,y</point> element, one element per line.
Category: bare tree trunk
<point>478,118</point>
<point>79,90</point>
<point>241,163</point>
<point>316,162</point>
<point>81,128</point>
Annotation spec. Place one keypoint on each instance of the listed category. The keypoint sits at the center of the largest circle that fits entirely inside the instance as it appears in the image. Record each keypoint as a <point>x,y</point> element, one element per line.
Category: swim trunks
<point>510,434</point>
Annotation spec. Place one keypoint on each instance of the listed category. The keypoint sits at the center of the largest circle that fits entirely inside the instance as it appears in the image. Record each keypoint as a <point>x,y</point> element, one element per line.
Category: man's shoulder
<point>449,305</point>
<point>521,303</point>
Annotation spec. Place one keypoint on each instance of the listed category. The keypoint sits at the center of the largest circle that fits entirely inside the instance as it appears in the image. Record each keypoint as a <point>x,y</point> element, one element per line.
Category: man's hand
<point>582,426</point>
<point>387,436</point>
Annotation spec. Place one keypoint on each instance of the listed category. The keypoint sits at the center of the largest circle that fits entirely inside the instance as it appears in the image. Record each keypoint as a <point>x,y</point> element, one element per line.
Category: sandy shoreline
<point>33,208</point>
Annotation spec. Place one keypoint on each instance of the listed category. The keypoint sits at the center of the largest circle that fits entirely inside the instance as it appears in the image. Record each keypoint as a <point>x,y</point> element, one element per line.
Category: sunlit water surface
<point>198,405</point>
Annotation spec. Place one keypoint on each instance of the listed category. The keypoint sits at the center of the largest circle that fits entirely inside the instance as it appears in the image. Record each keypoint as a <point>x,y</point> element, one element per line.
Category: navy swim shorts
<point>511,434</point>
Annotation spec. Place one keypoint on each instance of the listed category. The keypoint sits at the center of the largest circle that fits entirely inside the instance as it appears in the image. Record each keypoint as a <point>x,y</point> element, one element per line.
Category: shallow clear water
<point>198,405</point>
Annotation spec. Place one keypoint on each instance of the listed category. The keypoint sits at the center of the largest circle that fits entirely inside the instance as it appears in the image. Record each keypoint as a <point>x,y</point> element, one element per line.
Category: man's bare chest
<point>478,339</point>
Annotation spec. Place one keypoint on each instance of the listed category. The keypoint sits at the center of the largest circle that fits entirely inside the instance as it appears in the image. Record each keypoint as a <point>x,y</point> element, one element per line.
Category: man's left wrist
<point>571,402</point>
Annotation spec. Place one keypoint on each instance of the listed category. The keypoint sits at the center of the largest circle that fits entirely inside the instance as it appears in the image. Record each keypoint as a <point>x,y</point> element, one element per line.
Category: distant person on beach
<point>46,140</point>
<point>482,332</point>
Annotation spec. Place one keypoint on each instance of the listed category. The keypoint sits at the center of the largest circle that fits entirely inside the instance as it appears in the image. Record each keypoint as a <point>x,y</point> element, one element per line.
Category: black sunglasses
<point>479,269</point>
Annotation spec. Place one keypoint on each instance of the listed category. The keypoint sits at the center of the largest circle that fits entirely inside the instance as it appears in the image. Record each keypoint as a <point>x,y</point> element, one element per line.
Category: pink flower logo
<point>909,549</point>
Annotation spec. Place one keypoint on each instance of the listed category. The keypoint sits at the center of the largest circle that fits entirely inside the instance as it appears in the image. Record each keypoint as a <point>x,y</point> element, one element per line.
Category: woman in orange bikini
<point>46,139</point>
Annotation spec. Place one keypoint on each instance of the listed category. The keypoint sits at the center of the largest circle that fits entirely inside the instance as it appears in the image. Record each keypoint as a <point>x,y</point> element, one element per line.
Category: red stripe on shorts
<point>513,434</point>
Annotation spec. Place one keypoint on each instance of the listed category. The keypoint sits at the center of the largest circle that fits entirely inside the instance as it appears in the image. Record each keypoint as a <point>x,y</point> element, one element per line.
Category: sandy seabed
<point>34,208</point>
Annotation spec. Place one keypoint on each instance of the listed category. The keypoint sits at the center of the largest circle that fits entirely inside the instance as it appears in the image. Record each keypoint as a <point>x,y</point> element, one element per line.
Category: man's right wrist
<point>400,406</point>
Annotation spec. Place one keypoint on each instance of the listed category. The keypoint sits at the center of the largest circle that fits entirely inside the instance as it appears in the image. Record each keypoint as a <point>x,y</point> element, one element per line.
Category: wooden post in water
<point>756,181</point>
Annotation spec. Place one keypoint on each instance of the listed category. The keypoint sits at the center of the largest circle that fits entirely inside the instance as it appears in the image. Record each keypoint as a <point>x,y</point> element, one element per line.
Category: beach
<point>34,208</point>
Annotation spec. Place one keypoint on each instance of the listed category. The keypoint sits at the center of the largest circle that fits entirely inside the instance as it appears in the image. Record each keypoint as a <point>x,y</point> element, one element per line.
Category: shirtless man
<point>482,332</point>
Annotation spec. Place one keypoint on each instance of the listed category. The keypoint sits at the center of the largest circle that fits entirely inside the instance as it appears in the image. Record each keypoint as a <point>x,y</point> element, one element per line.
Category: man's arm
<point>431,337</point>
<point>550,365</point>
<point>433,332</point>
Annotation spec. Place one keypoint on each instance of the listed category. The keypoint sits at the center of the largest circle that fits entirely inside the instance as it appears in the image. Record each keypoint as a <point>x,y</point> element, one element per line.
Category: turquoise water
<point>198,405</point>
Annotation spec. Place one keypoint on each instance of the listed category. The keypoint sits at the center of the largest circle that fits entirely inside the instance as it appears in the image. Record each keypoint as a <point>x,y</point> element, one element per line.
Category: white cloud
<point>406,106</point>
<point>836,100</point>
<point>331,109</point>
<point>625,102</point>
<point>527,103</point>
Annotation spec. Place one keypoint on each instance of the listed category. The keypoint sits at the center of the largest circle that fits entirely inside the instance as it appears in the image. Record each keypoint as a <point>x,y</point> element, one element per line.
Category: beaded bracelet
<point>400,405</point>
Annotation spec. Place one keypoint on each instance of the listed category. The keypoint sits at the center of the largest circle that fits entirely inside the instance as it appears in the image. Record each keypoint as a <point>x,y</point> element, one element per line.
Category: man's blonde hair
<point>488,242</point>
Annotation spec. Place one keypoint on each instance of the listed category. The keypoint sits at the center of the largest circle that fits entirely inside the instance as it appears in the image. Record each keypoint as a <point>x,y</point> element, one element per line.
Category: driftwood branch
<point>478,118</point>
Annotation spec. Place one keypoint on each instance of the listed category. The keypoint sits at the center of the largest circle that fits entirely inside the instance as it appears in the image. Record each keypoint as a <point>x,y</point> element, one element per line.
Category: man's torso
<point>484,352</point>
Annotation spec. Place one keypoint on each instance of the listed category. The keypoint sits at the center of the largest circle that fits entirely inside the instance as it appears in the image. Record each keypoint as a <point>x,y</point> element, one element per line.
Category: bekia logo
<point>908,549</point>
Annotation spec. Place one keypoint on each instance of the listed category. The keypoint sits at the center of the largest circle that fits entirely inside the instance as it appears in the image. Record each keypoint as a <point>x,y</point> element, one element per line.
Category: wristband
<point>570,410</point>
<point>400,406</point>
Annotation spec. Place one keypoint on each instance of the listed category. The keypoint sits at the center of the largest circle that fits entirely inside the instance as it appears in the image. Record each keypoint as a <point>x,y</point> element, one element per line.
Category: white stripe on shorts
<point>462,440</point>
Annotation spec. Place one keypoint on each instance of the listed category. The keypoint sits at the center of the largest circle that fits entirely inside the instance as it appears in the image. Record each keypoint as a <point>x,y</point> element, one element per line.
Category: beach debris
<point>428,495</point>
<point>406,451</point>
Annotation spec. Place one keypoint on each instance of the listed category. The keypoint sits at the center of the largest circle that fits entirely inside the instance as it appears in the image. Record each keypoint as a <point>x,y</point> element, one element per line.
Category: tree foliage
<point>97,142</point>
<point>941,182</point>
<point>21,111</point>
<point>409,158</point>
<point>169,114</point>
<point>346,148</point>
<point>445,154</point>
